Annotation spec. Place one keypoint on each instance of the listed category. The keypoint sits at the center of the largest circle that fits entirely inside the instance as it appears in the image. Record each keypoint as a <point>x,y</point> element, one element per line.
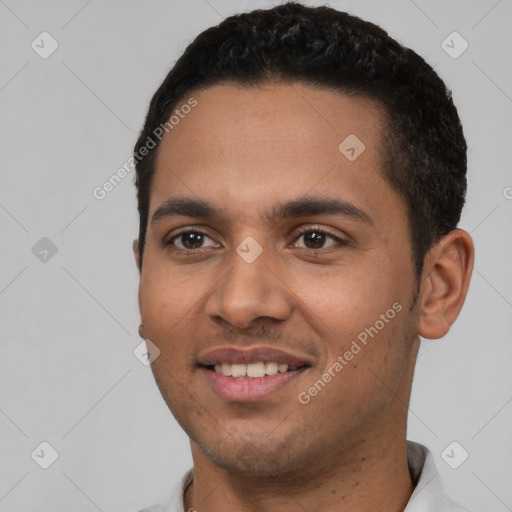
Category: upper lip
<point>248,355</point>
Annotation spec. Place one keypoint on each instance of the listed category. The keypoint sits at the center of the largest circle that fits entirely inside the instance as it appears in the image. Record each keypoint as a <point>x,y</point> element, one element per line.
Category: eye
<point>189,240</point>
<point>317,239</point>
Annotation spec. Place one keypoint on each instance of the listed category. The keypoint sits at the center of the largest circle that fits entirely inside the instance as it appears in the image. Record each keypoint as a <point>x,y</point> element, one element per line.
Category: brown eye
<point>190,240</point>
<point>314,240</point>
<point>317,240</point>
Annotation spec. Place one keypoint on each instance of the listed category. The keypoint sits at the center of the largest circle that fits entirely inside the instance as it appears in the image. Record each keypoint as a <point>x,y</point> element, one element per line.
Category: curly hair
<point>425,158</point>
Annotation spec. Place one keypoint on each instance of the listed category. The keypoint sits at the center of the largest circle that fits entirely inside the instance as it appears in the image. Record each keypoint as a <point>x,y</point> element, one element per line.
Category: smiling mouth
<point>255,370</point>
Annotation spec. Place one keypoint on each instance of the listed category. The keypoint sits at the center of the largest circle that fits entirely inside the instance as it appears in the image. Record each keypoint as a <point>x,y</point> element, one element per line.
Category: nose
<point>249,292</point>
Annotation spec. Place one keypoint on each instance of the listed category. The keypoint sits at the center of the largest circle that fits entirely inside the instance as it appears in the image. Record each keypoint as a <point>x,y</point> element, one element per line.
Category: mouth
<point>255,370</point>
<point>250,374</point>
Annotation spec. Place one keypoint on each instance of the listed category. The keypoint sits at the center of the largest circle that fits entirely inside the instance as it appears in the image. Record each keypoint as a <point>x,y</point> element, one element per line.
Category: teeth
<point>255,370</point>
<point>238,370</point>
<point>271,368</point>
<point>225,369</point>
<point>252,370</point>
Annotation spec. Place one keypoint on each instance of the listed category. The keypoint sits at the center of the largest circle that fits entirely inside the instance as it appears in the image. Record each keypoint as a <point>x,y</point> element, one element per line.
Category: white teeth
<point>225,369</point>
<point>252,370</point>
<point>238,370</point>
<point>271,368</point>
<point>255,370</point>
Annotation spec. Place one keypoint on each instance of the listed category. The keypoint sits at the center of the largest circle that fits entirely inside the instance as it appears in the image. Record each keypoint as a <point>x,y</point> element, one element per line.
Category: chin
<point>247,458</point>
<point>257,452</point>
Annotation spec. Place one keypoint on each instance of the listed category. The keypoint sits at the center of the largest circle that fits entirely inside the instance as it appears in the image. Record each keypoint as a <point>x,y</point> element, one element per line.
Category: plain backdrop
<point>68,283</point>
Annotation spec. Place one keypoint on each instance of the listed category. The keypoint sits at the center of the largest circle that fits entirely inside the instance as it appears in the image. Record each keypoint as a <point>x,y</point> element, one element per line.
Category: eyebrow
<point>186,208</point>
<point>308,207</point>
<point>304,207</point>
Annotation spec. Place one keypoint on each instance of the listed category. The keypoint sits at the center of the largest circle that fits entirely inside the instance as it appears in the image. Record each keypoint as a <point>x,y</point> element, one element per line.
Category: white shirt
<point>428,494</point>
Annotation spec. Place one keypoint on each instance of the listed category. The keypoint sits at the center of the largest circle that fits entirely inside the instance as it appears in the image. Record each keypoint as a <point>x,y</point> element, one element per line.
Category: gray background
<point>68,375</point>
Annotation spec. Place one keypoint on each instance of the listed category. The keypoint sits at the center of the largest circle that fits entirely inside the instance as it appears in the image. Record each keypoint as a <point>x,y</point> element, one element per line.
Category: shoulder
<point>429,494</point>
<point>174,502</point>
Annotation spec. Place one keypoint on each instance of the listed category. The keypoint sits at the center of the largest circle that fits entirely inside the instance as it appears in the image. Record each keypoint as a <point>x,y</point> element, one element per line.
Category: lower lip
<point>246,389</point>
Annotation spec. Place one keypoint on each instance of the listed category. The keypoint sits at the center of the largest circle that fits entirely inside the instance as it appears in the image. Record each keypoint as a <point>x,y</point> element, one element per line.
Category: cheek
<point>167,307</point>
<point>167,298</point>
<point>347,300</point>
<point>167,310</point>
<point>359,315</point>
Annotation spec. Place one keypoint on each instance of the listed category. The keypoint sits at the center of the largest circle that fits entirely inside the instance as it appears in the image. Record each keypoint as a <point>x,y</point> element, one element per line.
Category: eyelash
<point>321,231</point>
<point>309,229</point>
<point>186,232</point>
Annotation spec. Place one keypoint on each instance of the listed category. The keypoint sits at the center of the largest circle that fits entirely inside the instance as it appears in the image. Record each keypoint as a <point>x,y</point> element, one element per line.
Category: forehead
<point>252,145</point>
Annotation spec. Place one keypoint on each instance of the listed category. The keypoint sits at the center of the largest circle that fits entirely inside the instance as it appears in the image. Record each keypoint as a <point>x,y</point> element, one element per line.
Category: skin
<point>245,151</point>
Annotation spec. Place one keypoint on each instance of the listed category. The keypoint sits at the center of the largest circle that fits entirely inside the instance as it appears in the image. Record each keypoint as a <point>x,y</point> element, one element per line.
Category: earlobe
<point>445,282</point>
<point>135,248</point>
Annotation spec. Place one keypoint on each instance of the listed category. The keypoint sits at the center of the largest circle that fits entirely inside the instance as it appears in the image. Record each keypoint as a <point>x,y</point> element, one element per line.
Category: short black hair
<point>425,160</point>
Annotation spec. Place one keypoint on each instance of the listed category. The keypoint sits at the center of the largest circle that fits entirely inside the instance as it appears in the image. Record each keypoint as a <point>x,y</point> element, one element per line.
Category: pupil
<point>192,240</point>
<point>314,240</point>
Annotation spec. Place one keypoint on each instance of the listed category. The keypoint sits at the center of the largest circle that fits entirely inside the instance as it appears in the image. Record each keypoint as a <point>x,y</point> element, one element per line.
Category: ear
<point>136,248</point>
<point>445,282</point>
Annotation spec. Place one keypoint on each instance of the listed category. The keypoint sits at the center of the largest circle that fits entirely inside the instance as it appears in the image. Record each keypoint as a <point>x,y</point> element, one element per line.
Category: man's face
<point>272,244</point>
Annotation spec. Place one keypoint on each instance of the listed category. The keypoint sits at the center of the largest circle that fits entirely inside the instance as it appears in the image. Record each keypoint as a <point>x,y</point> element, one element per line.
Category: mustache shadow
<point>263,330</point>
<point>257,330</point>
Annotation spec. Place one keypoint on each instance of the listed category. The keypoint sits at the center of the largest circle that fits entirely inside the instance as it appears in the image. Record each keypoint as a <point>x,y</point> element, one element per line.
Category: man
<point>300,179</point>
